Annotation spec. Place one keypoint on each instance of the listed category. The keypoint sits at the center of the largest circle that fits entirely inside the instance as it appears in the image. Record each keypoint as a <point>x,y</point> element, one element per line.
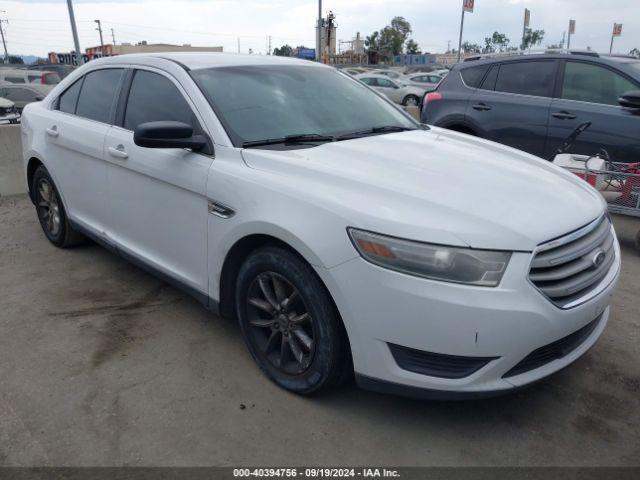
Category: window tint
<point>98,93</point>
<point>489,82</point>
<point>154,98</point>
<point>385,82</point>
<point>372,82</point>
<point>473,76</point>
<point>15,79</point>
<point>593,83</point>
<point>527,78</point>
<point>69,99</point>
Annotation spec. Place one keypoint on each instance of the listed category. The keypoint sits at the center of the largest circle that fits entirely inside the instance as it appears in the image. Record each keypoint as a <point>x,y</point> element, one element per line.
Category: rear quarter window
<point>472,76</point>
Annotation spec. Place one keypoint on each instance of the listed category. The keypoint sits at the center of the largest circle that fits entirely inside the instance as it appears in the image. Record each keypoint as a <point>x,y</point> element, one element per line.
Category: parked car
<point>28,76</point>
<point>426,81</point>
<point>61,69</point>
<point>8,111</point>
<point>533,102</point>
<point>397,92</point>
<point>341,234</point>
<point>387,73</point>
<point>22,95</point>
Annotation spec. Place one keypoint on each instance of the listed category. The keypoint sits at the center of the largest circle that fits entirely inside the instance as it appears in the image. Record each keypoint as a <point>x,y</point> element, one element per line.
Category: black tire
<point>51,213</point>
<point>324,358</point>
<point>413,98</point>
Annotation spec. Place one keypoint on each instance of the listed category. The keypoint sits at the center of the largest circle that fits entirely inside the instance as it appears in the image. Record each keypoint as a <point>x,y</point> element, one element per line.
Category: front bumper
<point>382,307</point>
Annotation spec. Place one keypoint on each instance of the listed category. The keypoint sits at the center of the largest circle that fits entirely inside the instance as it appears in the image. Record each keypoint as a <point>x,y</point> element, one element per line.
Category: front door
<point>589,93</point>
<point>158,195</point>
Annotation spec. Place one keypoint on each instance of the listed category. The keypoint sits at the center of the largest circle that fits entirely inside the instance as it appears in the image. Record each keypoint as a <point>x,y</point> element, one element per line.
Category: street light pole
<point>100,32</point>
<point>4,43</point>
<point>74,31</point>
<point>460,41</point>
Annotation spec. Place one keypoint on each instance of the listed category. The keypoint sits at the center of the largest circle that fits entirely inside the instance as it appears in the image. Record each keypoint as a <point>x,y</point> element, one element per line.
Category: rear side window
<point>473,76</point>
<point>98,94</point>
<point>527,78</point>
<point>69,99</point>
<point>154,98</point>
<point>592,83</point>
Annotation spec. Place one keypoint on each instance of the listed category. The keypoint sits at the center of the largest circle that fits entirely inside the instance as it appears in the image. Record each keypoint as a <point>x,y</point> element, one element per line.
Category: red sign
<point>617,29</point>
<point>468,5</point>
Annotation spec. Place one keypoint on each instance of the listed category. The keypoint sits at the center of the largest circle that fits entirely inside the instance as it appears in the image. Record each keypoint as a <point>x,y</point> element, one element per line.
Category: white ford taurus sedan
<point>341,234</point>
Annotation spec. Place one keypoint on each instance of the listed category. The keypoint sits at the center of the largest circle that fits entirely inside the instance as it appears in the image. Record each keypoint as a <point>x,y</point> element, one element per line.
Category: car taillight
<point>431,97</point>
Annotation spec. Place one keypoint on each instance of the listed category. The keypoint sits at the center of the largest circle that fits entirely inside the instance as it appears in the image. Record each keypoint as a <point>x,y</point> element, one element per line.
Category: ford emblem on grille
<point>598,258</point>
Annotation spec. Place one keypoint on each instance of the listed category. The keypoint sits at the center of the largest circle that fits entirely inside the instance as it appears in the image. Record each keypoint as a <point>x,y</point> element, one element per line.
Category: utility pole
<point>319,33</point>
<point>99,29</point>
<point>527,19</point>
<point>564,37</point>
<point>113,37</point>
<point>74,31</point>
<point>269,46</point>
<point>461,29</point>
<point>238,44</point>
<point>4,42</point>
<point>448,46</point>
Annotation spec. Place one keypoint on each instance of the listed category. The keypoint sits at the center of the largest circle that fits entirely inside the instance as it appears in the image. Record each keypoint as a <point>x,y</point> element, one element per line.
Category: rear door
<point>589,92</point>
<point>157,196</point>
<point>75,133</point>
<point>512,104</point>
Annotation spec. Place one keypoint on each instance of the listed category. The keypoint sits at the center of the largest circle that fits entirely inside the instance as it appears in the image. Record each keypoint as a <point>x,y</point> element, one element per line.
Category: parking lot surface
<point>102,364</point>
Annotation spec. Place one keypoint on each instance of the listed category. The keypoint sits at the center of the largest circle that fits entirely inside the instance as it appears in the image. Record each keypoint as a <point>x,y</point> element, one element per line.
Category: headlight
<point>437,262</point>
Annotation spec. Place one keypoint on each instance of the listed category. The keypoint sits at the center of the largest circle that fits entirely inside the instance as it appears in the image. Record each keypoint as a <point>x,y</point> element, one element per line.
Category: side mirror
<point>630,99</point>
<point>168,135</point>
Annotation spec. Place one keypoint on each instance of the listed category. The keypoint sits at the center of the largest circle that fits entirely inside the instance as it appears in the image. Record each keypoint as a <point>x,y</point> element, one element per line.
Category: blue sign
<point>307,53</point>
<point>417,59</point>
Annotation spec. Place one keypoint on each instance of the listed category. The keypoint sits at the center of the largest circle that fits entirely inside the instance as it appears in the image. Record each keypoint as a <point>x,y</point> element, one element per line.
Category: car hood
<point>437,186</point>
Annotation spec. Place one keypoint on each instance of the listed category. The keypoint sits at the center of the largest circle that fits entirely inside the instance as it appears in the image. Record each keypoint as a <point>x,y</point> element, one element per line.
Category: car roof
<point>201,60</point>
<point>573,55</point>
<point>374,75</point>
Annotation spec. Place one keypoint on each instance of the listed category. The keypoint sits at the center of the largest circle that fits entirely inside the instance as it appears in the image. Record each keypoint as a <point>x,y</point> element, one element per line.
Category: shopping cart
<point>619,183</point>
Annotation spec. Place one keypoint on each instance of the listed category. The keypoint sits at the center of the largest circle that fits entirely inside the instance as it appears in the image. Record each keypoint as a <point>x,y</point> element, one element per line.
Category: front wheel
<point>411,101</point>
<point>289,322</point>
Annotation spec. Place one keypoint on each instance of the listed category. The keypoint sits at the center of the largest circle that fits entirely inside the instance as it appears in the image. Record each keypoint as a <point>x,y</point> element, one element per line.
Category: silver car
<point>428,81</point>
<point>398,92</point>
<point>23,94</point>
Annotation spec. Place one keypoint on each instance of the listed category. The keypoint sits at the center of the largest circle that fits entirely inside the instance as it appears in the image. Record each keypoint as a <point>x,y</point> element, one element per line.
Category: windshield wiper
<point>374,131</point>
<point>290,139</point>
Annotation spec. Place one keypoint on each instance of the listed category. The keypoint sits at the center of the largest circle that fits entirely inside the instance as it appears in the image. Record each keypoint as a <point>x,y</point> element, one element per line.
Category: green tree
<point>15,59</point>
<point>468,47</point>
<point>498,42</point>
<point>394,36</point>
<point>635,52</point>
<point>372,42</point>
<point>412,47</point>
<point>284,51</point>
<point>531,38</point>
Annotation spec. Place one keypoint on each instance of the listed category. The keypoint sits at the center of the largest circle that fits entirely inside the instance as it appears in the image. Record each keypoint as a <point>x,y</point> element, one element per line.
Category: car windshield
<point>257,103</point>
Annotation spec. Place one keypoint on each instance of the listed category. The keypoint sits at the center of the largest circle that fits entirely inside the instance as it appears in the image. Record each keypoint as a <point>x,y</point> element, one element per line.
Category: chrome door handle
<point>118,152</point>
<point>53,131</point>
<point>564,115</point>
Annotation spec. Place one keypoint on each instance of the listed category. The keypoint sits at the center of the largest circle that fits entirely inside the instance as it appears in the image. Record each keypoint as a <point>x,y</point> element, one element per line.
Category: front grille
<point>558,349</point>
<point>567,269</point>
<point>436,364</point>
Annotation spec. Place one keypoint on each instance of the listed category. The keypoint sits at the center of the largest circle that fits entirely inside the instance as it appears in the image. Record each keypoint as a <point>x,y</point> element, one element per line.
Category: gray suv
<point>533,102</point>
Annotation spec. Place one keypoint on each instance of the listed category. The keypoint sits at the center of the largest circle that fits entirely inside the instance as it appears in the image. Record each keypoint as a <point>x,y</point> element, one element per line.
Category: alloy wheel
<point>280,324</point>
<point>48,207</point>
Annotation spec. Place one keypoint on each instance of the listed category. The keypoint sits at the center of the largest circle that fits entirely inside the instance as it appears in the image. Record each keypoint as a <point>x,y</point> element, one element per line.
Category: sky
<point>37,27</point>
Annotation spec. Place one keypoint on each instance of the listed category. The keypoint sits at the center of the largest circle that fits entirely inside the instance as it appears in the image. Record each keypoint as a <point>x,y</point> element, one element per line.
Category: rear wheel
<point>411,101</point>
<point>289,322</point>
<point>51,213</point>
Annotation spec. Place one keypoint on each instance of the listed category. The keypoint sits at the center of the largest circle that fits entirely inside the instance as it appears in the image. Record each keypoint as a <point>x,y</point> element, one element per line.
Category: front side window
<point>154,98</point>
<point>273,101</point>
<point>372,82</point>
<point>69,99</point>
<point>98,94</point>
<point>592,83</point>
<point>527,78</point>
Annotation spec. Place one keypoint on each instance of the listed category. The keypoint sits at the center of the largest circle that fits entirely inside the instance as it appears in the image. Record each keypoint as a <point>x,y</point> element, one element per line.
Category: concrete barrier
<point>11,169</point>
